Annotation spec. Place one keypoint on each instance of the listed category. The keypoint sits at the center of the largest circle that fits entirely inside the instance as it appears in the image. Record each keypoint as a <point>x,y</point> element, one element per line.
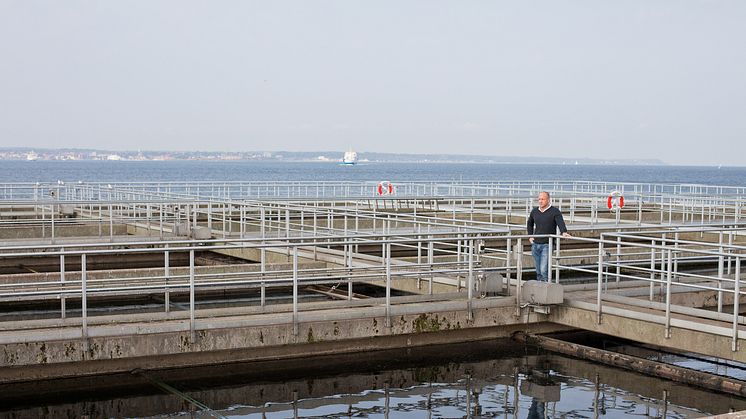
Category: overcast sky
<point>575,79</point>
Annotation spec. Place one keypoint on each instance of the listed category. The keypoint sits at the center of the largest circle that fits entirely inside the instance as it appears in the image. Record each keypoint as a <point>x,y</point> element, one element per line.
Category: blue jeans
<point>540,252</point>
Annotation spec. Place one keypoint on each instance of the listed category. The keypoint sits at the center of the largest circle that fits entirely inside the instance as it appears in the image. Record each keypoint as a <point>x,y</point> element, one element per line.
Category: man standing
<point>544,219</point>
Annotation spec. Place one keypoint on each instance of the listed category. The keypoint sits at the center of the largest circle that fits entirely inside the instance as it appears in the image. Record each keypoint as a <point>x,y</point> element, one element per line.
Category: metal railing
<point>432,234</point>
<point>653,260</point>
<point>453,261</point>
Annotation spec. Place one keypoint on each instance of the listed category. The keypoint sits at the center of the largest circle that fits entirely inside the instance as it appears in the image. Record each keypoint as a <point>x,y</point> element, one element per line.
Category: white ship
<point>349,158</point>
<point>32,156</point>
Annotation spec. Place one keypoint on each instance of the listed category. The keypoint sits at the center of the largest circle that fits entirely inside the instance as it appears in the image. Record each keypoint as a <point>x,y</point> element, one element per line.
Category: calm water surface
<point>485,379</point>
<point>219,171</point>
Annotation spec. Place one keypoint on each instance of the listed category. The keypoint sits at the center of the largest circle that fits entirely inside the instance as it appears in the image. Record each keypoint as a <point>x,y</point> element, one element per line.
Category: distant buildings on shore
<point>33,155</point>
<point>28,154</point>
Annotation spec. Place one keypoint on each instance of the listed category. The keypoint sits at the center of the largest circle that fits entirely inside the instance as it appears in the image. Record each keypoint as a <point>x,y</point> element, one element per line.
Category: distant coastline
<point>62,154</point>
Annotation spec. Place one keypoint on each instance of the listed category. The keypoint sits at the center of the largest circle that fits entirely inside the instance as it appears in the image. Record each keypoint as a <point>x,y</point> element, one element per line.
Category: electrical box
<point>539,292</point>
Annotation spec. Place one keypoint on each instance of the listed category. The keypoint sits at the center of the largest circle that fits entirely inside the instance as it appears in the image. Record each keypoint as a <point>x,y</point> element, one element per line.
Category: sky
<point>633,79</point>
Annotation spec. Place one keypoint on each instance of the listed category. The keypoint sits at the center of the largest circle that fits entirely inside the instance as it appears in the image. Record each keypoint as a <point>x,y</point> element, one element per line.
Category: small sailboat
<point>350,158</point>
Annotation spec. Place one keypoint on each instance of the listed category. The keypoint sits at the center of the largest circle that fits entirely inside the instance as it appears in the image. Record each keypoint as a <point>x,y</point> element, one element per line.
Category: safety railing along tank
<point>661,268</point>
<point>447,256</point>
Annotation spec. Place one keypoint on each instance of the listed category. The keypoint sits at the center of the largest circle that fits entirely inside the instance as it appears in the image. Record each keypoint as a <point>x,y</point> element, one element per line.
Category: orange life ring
<point>385,188</point>
<point>615,200</point>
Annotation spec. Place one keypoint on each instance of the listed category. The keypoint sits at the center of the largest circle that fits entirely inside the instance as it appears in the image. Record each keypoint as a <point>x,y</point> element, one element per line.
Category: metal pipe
<point>295,290</point>
<point>84,295</point>
<point>388,283</point>
<point>167,274</point>
<point>736,303</point>
<point>470,281</point>
<point>62,282</point>
<point>668,294</point>
<point>192,333</point>
<point>599,286</point>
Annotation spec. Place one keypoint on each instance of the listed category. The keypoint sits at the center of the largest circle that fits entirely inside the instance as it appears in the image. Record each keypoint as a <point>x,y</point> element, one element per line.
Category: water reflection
<point>486,379</point>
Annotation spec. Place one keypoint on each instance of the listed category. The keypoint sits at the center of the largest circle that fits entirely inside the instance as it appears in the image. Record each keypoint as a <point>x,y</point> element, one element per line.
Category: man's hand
<point>531,240</point>
<point>566,234</point>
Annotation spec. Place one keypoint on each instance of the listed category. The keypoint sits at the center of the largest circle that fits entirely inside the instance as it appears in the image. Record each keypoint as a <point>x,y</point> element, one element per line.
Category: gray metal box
<point>538,292</point>
<point>67,210</point>
<point>182,229</point>
<point>201,233</point>
<point>490,283</point>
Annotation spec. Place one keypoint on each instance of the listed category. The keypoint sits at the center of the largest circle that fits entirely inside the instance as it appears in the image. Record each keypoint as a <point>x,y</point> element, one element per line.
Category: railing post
<point>668,293</point>
<point>349,272</point>
<point>419,258</point>
<point>84,295</point>
<point>111,222</point>
<point>263,267</point>
<point>600,278</point>
<point>509,255</point>
<point>388,283</point>
<point>652,269</point>
<point>557,261</point>
<point>315,224</point>
<point>736,303</point>
<point>618,258</point>
<point>295,290</point>
<point>430,261</point>
<point>160,222</point>
<point>730,250</point>
<point>549,260</point>
<point>518,254</point>
<point>721,265</point>
<point>458,262</point>
<point>191,297</point>
<point>62,281</point>
<point>262,219</point>
<point>242,220</point>
<point>226,212</point>
<point>639,210</point>
<point>52,221</point>
<point>167,274</point>
<point>470,282</point>
<point>287,223</point>
<point>676,254</point>
<point>663,262</point>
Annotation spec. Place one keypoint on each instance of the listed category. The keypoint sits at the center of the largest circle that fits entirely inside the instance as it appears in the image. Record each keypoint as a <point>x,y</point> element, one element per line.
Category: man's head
<point>543,199</point>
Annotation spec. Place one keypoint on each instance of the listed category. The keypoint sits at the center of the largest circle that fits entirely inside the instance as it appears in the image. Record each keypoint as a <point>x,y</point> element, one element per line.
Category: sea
<point>479,380</point>
<point>224,171</point>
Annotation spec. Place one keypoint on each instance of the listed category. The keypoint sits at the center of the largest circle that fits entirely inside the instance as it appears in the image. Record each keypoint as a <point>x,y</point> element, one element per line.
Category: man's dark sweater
<point>545,223</point>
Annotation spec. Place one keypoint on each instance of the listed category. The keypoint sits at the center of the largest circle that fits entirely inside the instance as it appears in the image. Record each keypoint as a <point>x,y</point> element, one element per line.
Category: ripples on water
<point>223,171</point>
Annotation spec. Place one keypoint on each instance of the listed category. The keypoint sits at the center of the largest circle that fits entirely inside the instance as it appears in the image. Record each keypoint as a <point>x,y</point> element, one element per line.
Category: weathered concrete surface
<point>118,348</point>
